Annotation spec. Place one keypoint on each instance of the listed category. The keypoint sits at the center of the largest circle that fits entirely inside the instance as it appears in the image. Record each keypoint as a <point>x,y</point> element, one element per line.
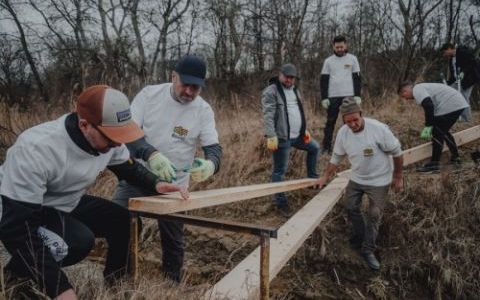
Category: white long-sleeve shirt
<point>46,167</point>
<point>173,128</point>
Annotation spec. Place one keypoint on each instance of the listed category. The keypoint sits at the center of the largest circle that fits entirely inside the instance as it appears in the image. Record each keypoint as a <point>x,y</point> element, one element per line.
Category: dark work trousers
<point>365,227</point>
<point>332,115</point>
<point>440,133</point>
<point>92,217</point>
<point>171,233</point>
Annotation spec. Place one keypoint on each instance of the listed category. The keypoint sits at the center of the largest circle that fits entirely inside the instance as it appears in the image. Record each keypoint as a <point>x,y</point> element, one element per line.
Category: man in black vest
<point>463,72</point>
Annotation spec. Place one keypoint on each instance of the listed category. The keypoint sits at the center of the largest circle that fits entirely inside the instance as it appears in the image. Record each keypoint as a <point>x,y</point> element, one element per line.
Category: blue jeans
<point>280,162</point>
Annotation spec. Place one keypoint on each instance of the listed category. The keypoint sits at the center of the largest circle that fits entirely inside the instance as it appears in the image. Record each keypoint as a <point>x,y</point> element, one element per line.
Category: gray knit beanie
<point>349,106</point>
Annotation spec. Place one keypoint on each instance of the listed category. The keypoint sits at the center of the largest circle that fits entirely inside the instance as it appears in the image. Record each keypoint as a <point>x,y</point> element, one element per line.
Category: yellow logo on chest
<point>368,151</point>
<point>180,131</point>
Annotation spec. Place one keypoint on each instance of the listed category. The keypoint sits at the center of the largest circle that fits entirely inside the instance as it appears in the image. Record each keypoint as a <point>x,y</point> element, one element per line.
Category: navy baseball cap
<point>192,70</point>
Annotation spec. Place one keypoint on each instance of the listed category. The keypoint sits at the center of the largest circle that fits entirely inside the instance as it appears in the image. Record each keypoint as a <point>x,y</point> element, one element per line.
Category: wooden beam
<point>243,281</point>
<point>424,151</point>
<point>171,203</point>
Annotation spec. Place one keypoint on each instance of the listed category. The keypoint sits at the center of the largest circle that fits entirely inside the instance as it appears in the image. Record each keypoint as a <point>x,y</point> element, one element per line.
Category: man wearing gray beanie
<point>368,144</point>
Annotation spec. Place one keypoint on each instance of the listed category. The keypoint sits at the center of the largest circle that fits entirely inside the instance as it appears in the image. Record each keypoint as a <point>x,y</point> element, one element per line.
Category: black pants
<point>441,128</point>
<point>332,115</point>
<point>171,233</point>
<point>93,217</point>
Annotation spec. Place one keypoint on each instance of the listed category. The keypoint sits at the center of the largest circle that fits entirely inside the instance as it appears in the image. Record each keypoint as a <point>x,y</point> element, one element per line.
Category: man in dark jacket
<point>463,72</point>
<point>285,127</point>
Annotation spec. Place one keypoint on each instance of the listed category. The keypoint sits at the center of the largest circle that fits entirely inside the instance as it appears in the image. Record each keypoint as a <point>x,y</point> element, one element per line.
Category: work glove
<point>162,167</point>
<point>201,169</point>
<point>461,76</point>
<point>325,103</point>
<point>272,143</point>
<point>358,100</point>
<point>307,137</point>
<point>427,133</point>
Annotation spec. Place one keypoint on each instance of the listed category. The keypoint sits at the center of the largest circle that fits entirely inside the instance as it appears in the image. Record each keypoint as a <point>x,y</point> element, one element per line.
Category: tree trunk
<point>6,4</point>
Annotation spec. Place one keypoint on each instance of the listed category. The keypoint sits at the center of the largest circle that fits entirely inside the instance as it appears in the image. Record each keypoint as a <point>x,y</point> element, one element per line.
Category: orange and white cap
<point>108,110</point>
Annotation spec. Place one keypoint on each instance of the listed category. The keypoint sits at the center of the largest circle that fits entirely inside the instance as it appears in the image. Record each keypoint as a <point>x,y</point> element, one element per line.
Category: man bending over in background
<point>43,182</point>
<point>368,145</point>
<point>442,106</point>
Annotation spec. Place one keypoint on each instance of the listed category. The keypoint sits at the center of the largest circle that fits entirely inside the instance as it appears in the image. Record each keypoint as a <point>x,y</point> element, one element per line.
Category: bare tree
<point>171,12</point>
<point>7,5</point>
<point>414,15</point>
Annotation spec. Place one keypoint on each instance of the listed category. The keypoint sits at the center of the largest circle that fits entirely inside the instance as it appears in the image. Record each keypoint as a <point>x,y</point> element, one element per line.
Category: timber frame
<point>250,279</point>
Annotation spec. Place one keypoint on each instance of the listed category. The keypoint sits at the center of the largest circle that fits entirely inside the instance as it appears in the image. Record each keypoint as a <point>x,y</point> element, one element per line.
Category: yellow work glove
<point>358,100</point>
<point>272,143</point>
<point>162,167</point>
<point>307,137</point>
<point>325,103</point>
<point>201,169</point>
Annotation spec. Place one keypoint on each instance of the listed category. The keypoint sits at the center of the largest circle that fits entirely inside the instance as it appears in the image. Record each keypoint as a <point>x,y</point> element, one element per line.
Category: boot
<point>371,260</point>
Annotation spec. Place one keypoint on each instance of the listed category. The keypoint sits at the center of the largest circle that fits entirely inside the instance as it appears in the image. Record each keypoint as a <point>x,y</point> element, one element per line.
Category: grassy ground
<point>428,240</point>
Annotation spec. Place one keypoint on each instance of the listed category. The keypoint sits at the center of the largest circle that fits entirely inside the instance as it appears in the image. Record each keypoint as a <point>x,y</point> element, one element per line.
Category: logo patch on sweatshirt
<point>368,151</point>
<point>180,132</point>
<point>347,66</point>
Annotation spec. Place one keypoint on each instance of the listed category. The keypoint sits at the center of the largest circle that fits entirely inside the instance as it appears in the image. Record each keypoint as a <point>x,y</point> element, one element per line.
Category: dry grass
<point>428,243</point>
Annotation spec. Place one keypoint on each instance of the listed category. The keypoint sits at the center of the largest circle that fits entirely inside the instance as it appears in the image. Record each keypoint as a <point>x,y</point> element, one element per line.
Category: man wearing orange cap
<point>369,146</point>
<point>43,183</point>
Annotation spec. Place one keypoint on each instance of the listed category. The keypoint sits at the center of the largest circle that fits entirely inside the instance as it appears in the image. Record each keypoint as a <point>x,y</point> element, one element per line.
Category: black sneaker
<point>371,260</point>
<point>430,167</point>
<point>456,162</point>
<point>285,211</point>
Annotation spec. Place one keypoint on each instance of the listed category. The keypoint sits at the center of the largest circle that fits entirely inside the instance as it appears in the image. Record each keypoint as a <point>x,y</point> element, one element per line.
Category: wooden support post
<point>264,266</point>
<point>134,246</point>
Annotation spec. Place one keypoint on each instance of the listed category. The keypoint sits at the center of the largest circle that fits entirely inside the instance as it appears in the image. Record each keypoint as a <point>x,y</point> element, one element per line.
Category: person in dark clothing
<point>463,72</point>
<point>285,127</point>
<point>43,183</point>
<point>442,106</point>
<point>340,78</point>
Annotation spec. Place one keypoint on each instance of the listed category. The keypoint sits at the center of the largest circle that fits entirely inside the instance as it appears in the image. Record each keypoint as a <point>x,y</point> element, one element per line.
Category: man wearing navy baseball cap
<point>174,119</point>
<point>191,70</point>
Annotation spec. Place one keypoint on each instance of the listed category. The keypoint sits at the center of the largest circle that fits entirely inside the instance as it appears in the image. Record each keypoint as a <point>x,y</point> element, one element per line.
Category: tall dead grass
<point>428,241</point>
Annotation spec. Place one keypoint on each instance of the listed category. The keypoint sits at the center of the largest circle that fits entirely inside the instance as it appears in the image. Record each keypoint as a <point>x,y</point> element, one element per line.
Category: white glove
<point>325,103</point>
<point>162,167</point>
<point>358,100</point>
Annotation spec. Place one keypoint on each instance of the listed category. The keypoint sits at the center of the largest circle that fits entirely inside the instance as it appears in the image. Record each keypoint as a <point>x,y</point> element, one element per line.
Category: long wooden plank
<point>424,151</point>
<point>243,281</point>
<point>171,203</point>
